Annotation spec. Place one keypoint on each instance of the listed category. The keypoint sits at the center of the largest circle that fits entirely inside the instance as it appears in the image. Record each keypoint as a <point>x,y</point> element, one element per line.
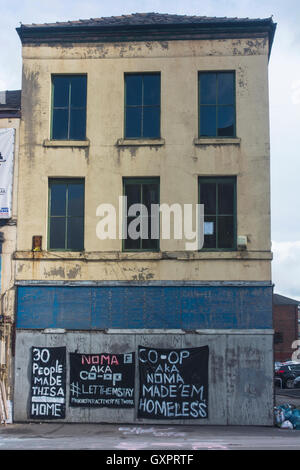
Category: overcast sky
<point>284,73</point>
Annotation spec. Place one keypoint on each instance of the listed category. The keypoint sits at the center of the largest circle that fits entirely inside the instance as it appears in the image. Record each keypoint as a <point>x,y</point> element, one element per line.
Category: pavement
<point>291,396</point>
<point>153,438</point>
<point>48,436</point>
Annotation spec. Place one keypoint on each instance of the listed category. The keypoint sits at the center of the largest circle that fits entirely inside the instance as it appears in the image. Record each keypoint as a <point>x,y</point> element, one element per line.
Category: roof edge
<point>62,33</point>
<point>279,299</point>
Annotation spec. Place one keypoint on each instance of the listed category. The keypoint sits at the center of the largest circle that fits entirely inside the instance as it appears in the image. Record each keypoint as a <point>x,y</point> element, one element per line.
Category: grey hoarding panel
<point>240,374</point>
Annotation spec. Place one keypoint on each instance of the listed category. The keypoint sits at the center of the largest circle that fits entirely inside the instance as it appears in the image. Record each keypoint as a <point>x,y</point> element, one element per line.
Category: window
<point>216,104</point>
<point>66,214</point>
<point>144,224</point>
<point>278,337</point>
<point>68,107</point>
<point>142,106</point>
<point>219,198</point>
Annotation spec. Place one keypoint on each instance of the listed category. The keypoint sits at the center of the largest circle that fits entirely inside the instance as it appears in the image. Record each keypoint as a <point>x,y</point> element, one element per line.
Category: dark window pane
<point>154,226</point>
<point>225,88</point>
<point>58,199</point>
<point>151,90</point>
<point>219,230</point>
<point>133,122</point>
<point>209,232</point>
<point>150,195</point>
<point>226,198</point>
<point>133,193</point>
<point>75,199</point>
<point>208,197</point>
<point>278,337</point>
<point>66,199</point>
<point>151,122</point>
<point>77,124</point>
<point>145,193</point>
<point>208,88</point>
<point>61,91</point>
<point>132,243</point>
<point>75,233</point>
<point>133,90</point>
<point>57,233</point>
<point>226,121</point>
<point>208,121</point>
<point>60,124</point>
<point>225,232</point>
<point>149,243</point>
<point>78,91</point>
<point>144,227</point>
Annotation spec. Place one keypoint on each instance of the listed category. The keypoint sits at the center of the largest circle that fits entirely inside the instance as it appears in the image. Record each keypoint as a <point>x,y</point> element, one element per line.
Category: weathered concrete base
<point>240,372</point>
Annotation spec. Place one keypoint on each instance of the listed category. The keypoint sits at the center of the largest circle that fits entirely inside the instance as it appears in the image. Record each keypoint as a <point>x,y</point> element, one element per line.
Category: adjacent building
<point>168,111</point>
<point>10,114</point>
<point>285,317</point>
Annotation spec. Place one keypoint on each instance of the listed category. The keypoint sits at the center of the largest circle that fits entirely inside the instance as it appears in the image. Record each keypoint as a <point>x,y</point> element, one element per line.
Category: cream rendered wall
<point>178,162</point>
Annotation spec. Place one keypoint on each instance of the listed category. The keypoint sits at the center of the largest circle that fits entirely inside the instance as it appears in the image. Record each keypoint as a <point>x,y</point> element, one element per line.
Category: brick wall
<point>285,321</point>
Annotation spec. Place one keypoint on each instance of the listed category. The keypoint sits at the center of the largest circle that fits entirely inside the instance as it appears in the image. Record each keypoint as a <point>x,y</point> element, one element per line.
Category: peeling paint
<point>131,148</point>
<point>75,272</point>
<point>254,47</point>
<point>140,274</point>
<point>242,81</point>
<point>87,154</point>
<point>164,44</point>
<point>132,151</point>
<point>20,267</point>
<point>55,272</point>
<point>143,275</point>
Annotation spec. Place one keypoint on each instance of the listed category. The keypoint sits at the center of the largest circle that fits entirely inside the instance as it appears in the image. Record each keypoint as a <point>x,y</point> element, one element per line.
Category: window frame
<point>55,75</point>
<point>141,181</point>
<point>142,137</point>
<point>278,337</point>
<point>234,135</point>
<point>67,181</point>
<point>216,180</point>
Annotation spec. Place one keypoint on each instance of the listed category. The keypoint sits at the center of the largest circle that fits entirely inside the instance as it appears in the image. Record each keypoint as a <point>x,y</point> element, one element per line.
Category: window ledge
<point>217,141</point>
<point>66,143</point>
<point>143,255</point>
<point>140,142</point>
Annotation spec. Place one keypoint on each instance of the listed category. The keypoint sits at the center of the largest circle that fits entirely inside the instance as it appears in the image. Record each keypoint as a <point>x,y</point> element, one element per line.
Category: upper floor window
<point>278,337</point>
<point>66,214</point>
<point>68,107</point>
<point>142,106</point>
<point>219,198</point>
<point>217,104</point>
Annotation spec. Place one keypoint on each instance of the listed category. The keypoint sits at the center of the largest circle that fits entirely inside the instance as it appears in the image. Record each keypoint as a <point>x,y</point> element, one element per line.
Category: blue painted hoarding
<point>159,306</point>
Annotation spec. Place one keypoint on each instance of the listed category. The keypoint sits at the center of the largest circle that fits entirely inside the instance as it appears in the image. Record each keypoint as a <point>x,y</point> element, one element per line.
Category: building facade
<point>10,113</point>
<point>162,109</point>
<point>285,317</point>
